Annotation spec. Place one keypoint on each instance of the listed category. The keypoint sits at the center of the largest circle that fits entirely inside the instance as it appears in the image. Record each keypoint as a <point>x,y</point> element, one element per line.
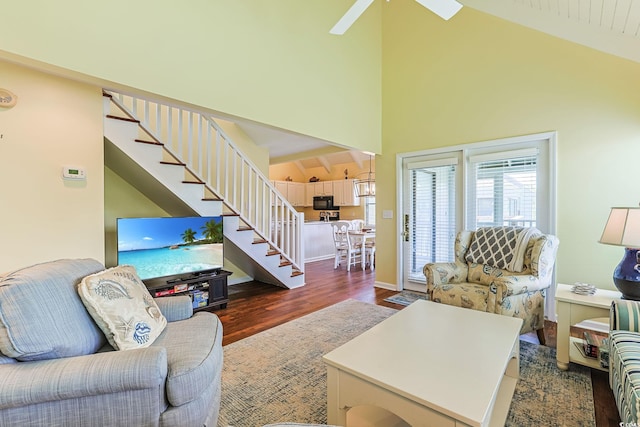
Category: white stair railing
<point>210,156</point>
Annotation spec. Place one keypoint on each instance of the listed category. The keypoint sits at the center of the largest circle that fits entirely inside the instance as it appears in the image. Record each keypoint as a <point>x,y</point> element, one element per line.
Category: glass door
<point>430,216</point>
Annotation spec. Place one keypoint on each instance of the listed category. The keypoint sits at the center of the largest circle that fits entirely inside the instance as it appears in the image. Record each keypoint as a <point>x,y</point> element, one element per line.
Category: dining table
<point>361,236</point>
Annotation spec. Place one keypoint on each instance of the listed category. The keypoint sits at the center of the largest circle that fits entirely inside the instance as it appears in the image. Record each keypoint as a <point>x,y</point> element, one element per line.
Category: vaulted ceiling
<point>610,26</point>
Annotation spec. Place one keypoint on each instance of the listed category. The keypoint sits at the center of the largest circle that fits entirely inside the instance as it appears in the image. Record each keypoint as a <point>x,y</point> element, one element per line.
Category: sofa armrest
<point>518,284</point>
<point>441,273</point>
<point>28,383</point>
<point>624,315</point>
<point>175,308</point>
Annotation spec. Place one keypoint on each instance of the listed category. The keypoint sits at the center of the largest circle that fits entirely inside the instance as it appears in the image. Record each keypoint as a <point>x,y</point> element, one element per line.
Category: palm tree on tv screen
<point>213,231</point>
<point>189,236</point>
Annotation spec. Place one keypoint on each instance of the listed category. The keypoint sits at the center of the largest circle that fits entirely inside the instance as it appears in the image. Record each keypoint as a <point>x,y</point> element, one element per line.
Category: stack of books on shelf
<point>199,298</point>
<point>595,346</point>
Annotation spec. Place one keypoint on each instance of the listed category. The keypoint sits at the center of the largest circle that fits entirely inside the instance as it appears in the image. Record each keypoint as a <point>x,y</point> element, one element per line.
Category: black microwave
<point>324,203</point>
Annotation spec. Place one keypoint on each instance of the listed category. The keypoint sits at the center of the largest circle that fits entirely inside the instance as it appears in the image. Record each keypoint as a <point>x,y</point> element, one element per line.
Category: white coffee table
<point>430,364</point>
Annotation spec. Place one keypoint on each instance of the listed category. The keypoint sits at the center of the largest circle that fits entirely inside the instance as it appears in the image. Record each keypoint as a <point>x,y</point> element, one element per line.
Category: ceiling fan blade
<point>350,17</point>
<point>445,9</point>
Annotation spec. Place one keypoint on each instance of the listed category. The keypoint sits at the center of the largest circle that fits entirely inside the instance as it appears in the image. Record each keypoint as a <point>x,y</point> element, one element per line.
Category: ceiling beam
<point>325,163</point>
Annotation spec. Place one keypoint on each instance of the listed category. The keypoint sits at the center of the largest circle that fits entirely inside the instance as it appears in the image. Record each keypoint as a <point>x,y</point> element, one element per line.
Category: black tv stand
<point>208,290</point>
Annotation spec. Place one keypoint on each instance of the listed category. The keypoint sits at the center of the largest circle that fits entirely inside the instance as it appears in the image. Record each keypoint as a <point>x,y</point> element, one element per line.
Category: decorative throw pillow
<point>122,307</point>
<point>501,247</point>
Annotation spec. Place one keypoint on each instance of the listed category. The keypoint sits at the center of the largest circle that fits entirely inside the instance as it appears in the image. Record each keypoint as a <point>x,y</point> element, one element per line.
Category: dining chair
<point>357,224</point>
<point>344,247</point>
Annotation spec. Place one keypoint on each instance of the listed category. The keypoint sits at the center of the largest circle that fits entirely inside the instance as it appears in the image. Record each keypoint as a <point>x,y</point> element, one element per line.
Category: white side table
<point>571,309</point>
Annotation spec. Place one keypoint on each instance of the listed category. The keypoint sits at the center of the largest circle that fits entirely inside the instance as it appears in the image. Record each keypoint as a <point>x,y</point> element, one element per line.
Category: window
<point>370,211</point>
<point>502,189</point>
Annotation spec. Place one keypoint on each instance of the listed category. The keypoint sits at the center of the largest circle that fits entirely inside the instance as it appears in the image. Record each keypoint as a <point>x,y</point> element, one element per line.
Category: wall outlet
<point>387,214</point>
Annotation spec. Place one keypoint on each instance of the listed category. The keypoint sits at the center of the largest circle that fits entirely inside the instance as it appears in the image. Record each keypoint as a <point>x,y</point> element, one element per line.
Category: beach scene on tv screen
<point>159,247</point>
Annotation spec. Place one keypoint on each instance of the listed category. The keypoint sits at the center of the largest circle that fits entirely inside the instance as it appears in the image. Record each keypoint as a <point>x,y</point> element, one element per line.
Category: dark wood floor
<point>255,307</point>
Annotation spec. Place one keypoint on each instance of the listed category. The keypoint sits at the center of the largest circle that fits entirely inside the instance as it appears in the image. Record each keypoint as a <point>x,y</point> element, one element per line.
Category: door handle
<point>405,232</point>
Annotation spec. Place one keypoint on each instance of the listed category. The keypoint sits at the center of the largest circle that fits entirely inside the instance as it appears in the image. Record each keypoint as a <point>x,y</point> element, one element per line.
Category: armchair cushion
<point>466,295</point>
<point>41,316</point>
<point>122,307</point>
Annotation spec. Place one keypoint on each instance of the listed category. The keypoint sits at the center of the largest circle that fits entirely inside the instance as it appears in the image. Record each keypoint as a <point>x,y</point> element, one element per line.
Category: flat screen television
<point>171,246</point>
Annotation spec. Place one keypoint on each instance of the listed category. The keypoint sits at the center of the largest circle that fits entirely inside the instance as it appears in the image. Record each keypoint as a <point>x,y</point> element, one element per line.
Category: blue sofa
<point>624,358</point>
<point>57,369</point>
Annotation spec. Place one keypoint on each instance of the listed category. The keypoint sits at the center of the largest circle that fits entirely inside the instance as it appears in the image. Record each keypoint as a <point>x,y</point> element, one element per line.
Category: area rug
<point>278,375</point>
<point>406,297</point>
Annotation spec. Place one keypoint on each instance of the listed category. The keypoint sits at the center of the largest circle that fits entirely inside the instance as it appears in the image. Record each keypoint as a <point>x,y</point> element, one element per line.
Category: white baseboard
<point>383,285</point>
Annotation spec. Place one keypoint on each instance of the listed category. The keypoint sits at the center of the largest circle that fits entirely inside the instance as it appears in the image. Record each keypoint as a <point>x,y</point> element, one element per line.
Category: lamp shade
<point>623,228</point>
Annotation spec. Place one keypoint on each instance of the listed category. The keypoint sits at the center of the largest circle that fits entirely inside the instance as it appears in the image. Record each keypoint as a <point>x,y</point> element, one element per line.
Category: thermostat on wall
<point>73,172</point>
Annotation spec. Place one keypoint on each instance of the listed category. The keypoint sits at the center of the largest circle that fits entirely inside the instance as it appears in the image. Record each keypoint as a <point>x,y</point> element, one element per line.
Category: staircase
<point>181,157</point>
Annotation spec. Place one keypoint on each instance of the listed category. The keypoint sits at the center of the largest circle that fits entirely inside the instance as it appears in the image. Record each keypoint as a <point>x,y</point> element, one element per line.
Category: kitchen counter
<point>318,240</point>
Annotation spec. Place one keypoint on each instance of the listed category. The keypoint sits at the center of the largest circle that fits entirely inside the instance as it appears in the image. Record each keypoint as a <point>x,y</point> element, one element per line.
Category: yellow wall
<point>56,122</point>
<point>477,78</point>
<point>272,61</point>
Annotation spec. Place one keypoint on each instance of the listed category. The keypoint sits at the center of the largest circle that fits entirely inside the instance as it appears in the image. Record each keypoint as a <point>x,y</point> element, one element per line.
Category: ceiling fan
<point>443,8</point>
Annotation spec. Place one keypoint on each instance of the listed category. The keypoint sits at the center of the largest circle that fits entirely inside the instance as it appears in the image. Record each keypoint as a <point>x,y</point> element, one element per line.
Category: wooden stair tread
<point>258,241</point>
<point>144,141</point>
<point>297,273</point>
<point>212,199</point>
<point>285,263</point>
<point>273,252</point>
<point>173,164</point>
<point>245,228</point>
<point>192,182</point>
<point>126,119</point>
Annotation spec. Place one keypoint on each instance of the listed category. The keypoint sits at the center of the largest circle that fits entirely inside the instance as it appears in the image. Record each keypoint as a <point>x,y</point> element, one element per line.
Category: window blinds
<point>502,189</point>
<point>432,226</point>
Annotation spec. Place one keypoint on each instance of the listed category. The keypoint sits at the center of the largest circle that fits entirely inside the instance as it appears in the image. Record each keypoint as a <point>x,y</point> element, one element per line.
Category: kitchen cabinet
<point>322,188</point>
<point>344,193</point>
<point>294,192</point>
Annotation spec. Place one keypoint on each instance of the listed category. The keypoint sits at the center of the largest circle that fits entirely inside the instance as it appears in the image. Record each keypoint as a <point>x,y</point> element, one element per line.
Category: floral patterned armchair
<point>485,287</point>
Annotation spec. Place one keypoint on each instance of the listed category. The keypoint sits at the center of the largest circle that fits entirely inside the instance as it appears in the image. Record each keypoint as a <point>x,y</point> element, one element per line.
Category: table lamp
<point>623,229</point>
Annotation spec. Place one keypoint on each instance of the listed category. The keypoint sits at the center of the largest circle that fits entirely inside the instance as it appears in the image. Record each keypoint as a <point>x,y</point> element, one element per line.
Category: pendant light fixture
<point>366,186</point>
